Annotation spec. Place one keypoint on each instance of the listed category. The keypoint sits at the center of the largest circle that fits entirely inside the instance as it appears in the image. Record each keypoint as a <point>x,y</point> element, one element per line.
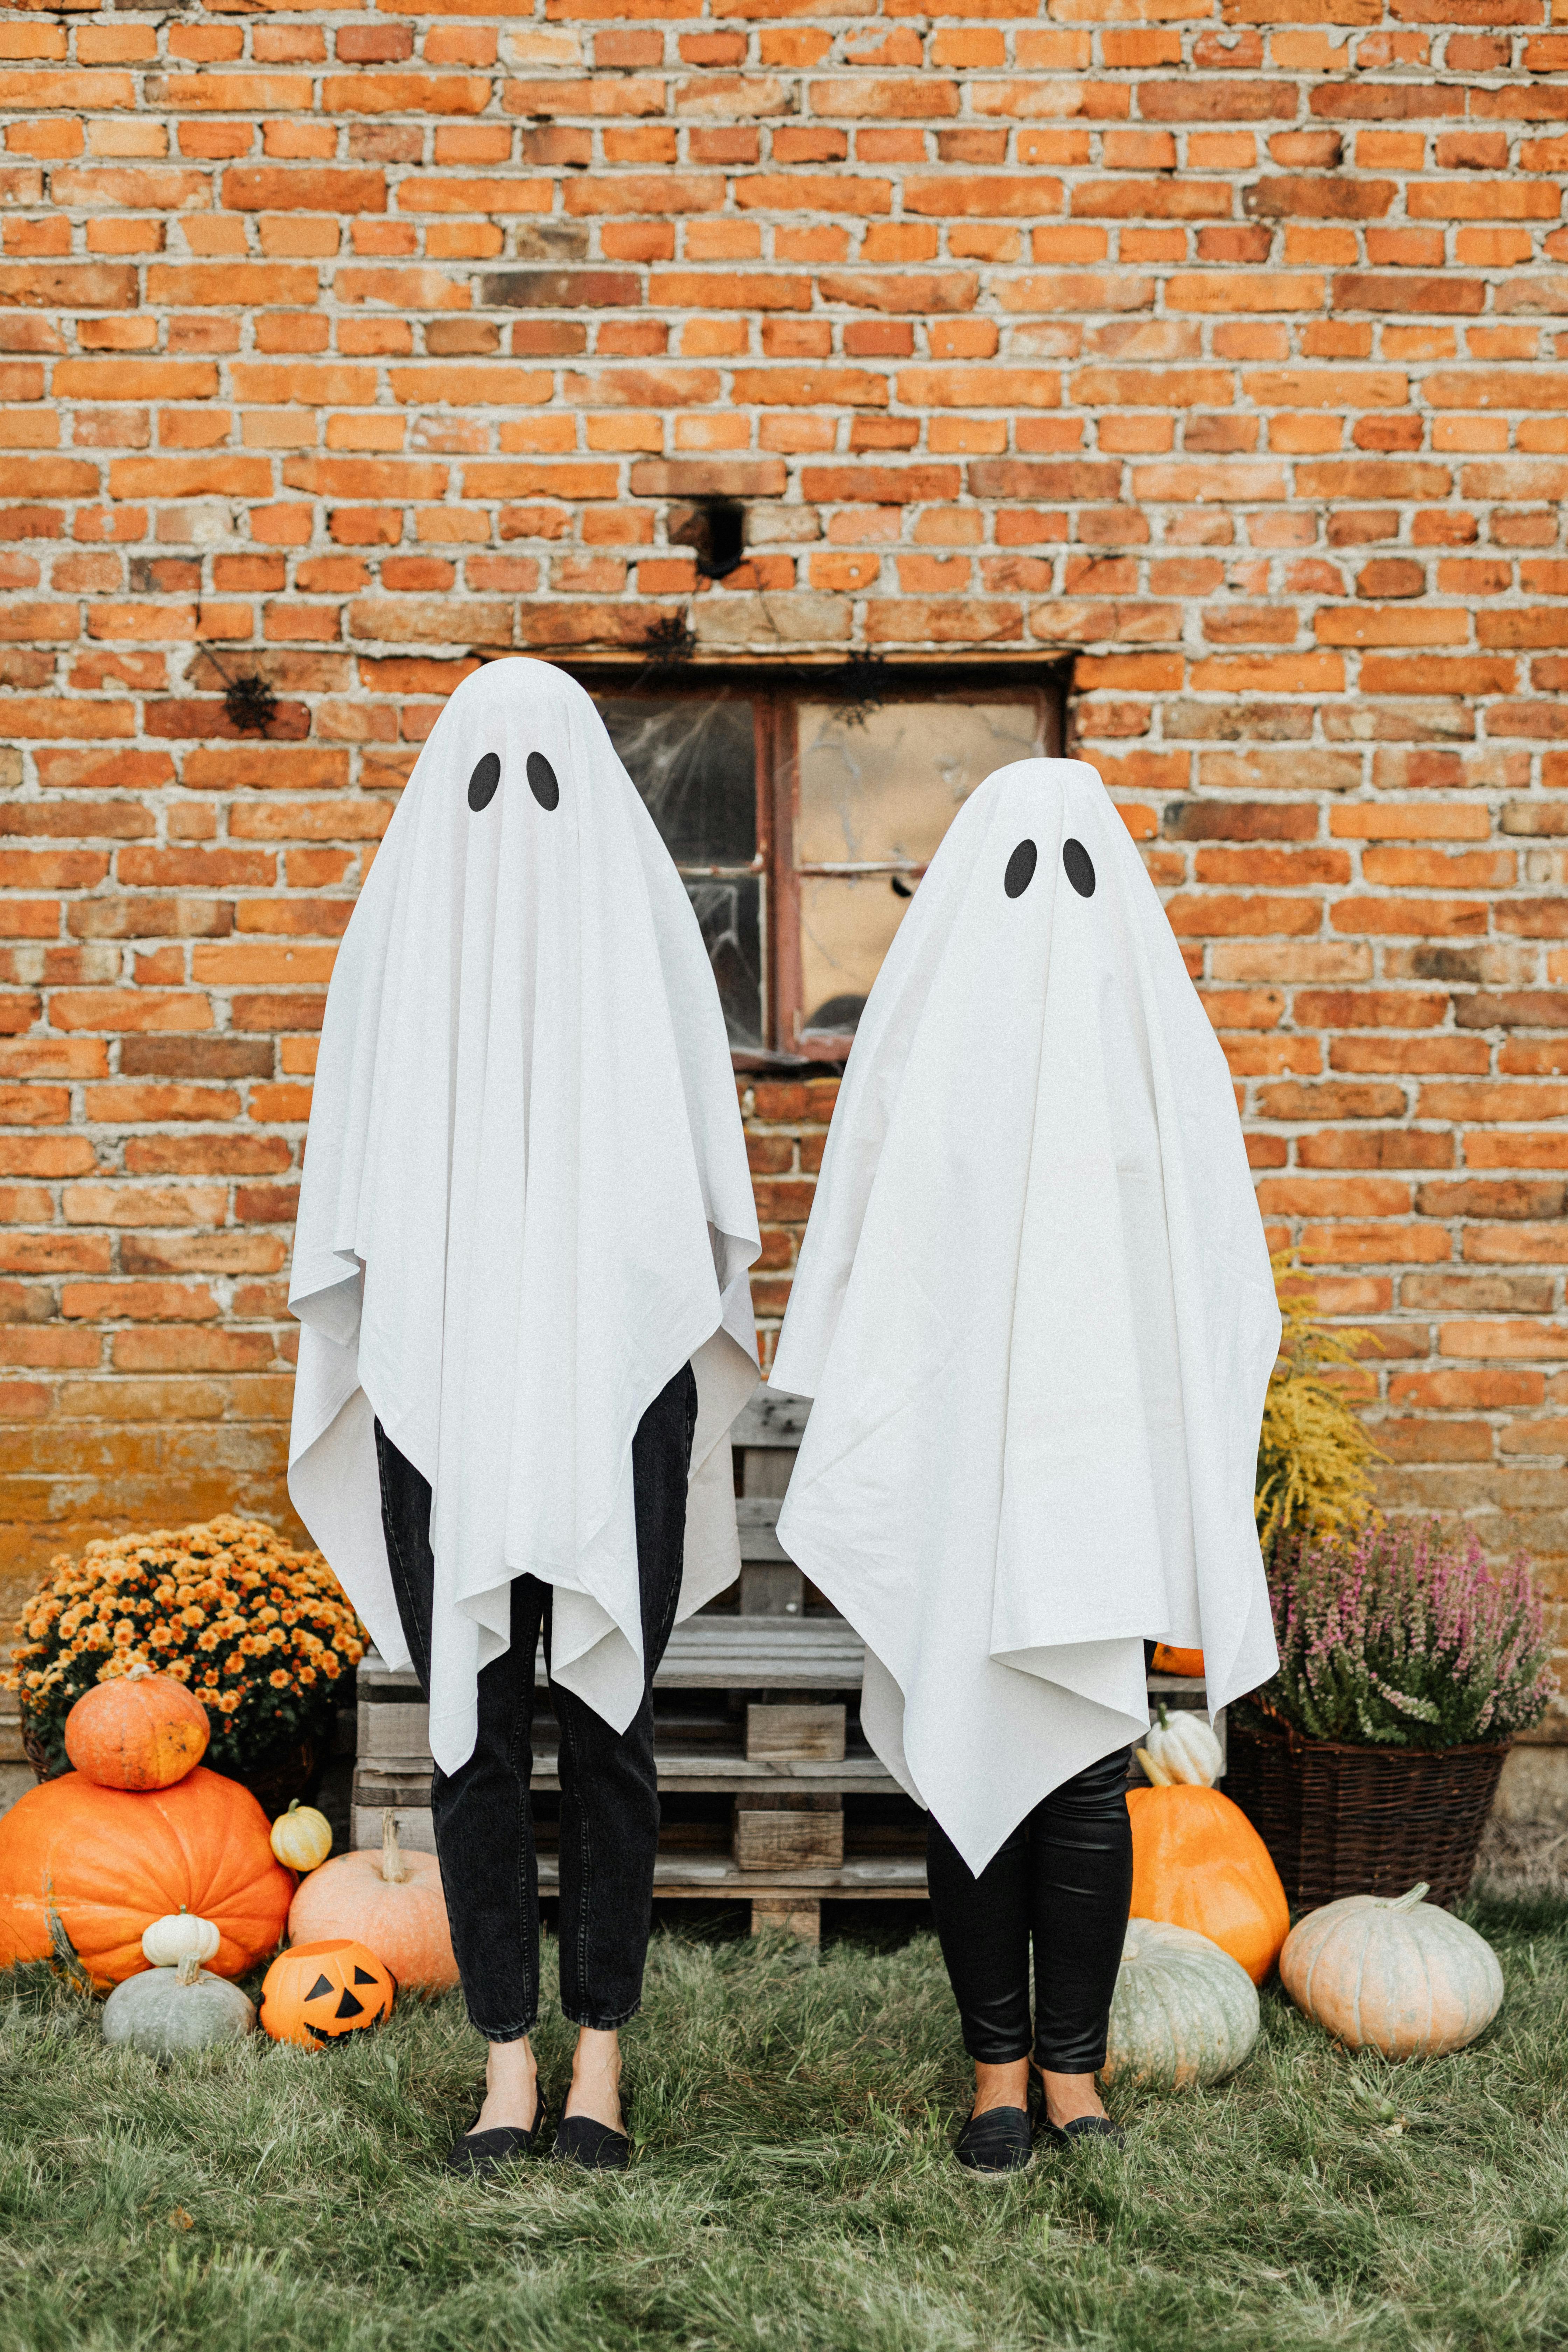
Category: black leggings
<point>609,1789</point>
<point>1065,1876</point>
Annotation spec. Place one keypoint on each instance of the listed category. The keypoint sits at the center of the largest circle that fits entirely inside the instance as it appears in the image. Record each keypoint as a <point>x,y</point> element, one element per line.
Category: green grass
<point>793,2188</point>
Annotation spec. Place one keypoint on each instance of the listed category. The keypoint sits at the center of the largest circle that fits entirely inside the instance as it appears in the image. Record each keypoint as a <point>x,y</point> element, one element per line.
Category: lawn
<point>793,2188</point>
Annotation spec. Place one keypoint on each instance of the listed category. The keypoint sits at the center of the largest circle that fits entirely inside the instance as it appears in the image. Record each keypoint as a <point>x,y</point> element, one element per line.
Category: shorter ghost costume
<point>526,1212</point>
<point>1034,1310</point>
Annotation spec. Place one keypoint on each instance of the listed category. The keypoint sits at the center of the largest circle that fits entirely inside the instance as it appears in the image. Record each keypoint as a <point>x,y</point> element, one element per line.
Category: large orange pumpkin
<point>1198,1863</point>
<point>316,1993</point>
<point>389,1900</point>
<point>110,1862</point>
<point>141,1730</point>
<point>1168,1661</point>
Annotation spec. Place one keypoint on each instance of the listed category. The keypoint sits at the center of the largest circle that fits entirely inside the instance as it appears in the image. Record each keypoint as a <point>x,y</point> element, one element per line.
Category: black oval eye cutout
<point>1020,869</point>
<point>483,782</point>
<point>542,781</point>
<point>1079,867</point>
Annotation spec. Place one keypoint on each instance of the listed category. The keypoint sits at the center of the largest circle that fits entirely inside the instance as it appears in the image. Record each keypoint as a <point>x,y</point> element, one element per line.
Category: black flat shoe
<point>580,2140</point>
<point>486,2151</point>
<point>995,2143</point>
<point>1081,2127</point>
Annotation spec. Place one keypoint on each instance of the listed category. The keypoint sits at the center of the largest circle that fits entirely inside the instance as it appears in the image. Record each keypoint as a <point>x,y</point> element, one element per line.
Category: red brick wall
<point>1218,346</point>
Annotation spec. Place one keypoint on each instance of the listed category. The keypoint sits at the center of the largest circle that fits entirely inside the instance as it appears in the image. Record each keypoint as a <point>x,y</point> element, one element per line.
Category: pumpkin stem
<point>137,1672</point>
<point>1408,1902</point>
<point>294,1804</point>
<point>190,1968</point>
<point>1164,1714</point>
<point>394,1869</point>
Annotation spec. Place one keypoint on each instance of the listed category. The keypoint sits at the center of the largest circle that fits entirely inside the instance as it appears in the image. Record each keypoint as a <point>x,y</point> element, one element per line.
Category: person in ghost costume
<point>1034,1308</point>
<point>521,1274</point>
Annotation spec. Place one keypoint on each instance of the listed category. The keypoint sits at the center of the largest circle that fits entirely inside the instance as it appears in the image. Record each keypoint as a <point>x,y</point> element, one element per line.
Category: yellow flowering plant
<point>261,1633</point>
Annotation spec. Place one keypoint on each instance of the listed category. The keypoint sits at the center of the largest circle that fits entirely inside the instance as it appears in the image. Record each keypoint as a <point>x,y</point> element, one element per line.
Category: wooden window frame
<point>777,690</point>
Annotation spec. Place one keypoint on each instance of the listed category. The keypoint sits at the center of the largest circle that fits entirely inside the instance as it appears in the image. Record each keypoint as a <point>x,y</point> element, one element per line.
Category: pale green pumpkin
<point>1393,1974</point>
<point>1183,2011</point>
<point>168,2013</point>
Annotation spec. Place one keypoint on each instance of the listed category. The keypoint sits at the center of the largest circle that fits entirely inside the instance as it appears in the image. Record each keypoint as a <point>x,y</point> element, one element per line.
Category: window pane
<point>694,761</point>
<point>847,926</point>
<point>882,786</point>
<point>730,916</point>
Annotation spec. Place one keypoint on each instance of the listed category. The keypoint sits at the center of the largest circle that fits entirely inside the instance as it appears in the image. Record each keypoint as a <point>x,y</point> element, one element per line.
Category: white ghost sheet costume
<point>1034,1310</point>
<point>526,1202</point>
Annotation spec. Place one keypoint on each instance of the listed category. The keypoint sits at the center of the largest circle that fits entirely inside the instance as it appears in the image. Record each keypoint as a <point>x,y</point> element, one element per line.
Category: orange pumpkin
<point>387,1899</point>
<point>141,1730</point>
<point>316,1993</point>
<point>110,1862</point>
<point>1198,1863</point>
<point>1177,1662</point>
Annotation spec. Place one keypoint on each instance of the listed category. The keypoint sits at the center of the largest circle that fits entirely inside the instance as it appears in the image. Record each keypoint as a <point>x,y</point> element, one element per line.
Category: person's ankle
<point>1001,2086</point>
<point>511,2088</point>
<point>596,2078</point>
<point>1068,2096</point>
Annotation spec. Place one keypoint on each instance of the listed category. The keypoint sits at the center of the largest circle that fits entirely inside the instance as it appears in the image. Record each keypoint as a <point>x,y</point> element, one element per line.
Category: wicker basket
<point>1361,1820</point>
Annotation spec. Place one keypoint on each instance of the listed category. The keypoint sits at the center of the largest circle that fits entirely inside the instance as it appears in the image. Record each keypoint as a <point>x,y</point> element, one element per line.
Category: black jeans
<point>609,1789</point>
<point>1064,1876</point>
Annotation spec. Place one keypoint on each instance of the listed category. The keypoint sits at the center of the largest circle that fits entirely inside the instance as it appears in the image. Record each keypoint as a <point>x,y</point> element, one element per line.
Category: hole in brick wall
<point>715,530</point>
<point>250,703</point>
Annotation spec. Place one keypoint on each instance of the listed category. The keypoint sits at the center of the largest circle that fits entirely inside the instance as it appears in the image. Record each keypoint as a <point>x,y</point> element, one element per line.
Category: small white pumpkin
<point>1392,1973</point>
<point>1183,1751</point>
<point>165,2013</point>
<point>179,1936</point>
<point>1183,2011</point>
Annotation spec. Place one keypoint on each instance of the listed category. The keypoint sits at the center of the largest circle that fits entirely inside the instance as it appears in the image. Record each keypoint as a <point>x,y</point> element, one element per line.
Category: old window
<point>801,809</point>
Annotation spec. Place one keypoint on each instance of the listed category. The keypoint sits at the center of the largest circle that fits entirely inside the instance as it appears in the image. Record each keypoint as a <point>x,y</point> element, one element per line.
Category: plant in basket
<point>1406,1666</point>
<point>261,1634</point>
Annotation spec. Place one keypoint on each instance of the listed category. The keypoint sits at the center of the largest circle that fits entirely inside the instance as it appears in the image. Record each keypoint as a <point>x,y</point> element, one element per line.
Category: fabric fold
<point>526,1202</point>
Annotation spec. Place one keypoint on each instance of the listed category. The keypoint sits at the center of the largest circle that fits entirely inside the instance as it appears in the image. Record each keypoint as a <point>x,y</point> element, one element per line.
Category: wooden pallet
<point>756,1703</point>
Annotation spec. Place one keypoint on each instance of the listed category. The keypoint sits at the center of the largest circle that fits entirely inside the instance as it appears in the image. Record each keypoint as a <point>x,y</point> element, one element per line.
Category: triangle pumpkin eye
<point>349,2006</point>
<point>362,1976</point>
<point>323,1984</point>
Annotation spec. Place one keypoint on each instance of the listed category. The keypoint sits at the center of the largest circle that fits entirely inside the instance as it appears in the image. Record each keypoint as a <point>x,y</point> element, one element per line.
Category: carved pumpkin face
<point>316,1993</point>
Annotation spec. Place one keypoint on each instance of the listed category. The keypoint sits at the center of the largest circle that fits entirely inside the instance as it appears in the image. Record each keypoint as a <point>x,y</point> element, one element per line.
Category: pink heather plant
<point>1402,1636</point>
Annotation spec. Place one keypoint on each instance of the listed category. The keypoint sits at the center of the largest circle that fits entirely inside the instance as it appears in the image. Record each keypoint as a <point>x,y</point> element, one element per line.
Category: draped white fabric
<point>526,1202</point>
<point>1035,1309</point>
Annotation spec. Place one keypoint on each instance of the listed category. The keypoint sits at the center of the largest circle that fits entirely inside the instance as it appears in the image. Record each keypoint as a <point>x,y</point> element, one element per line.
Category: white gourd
<point>1393,1973</point>
<point>1183,2012</point>
<point>178,1936</point>
<point>1182,1749</point>
<point>167,2013</point>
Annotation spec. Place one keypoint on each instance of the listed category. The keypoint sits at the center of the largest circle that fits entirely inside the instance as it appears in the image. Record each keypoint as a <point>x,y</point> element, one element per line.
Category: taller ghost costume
<point>526,1203</point>
<point>1034,1310</point>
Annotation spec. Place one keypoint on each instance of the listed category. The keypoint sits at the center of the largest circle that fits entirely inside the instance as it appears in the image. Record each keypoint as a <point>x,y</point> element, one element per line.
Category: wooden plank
<point>701,1877</point>
<point>791,1735</point>
<point>396,1728</point>
<point>771,1592</point>
<point>771,1417</point>
<point>709,1652</point>
<point>772,1840</point>
<point>397,1780</point>
<point>756,1522</point>
<point>801,1919</point>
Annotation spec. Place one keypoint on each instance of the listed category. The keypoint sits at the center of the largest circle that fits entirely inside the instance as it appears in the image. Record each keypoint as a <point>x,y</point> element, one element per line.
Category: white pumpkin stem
<point>1162,1715</point>
<point>394,1869</point>
<point>1156,1771</point>
<point>294,1804</point>
<point>134,1675</point>
<point>189,1969</point>
<point>1408,1902</point>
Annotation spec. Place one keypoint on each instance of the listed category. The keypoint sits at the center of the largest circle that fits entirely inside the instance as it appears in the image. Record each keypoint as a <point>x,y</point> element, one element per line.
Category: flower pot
<point>278,1775</point>
<point>1361,1820</point>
